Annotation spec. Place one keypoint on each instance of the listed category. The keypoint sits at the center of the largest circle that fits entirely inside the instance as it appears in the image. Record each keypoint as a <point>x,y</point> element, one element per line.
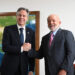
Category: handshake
<point>26,47</point>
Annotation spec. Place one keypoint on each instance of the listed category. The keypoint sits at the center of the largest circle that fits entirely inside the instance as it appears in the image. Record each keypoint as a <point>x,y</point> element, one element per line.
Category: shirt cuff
<point>21,49</point>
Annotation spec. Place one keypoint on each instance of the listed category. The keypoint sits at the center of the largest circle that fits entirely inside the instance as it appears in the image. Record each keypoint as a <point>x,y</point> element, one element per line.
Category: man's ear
<point>27,19</point>
<point>59,22</point>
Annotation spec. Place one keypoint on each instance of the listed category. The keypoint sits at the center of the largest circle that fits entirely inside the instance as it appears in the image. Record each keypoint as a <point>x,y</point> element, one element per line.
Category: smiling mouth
<point>21,20</point>
<point>52,25</point>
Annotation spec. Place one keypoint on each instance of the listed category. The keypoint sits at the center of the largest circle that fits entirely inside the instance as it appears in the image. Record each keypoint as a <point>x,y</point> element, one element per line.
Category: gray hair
<point>22,8</point>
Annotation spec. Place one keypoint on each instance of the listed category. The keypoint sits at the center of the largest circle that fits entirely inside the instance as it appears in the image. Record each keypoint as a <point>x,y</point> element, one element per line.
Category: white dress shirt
<point>24,33</point>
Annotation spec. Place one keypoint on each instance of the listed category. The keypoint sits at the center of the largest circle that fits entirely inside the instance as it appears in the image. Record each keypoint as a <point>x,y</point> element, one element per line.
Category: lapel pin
<point>28,32</point>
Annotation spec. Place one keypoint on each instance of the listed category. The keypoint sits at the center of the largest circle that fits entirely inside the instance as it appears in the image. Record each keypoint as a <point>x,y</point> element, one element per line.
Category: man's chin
<point>52,29</point>
<point>21,24</point>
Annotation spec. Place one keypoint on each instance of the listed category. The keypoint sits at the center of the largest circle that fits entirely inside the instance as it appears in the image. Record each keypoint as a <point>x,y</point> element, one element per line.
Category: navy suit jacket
<point>60,55</point>
<point>13,57</point>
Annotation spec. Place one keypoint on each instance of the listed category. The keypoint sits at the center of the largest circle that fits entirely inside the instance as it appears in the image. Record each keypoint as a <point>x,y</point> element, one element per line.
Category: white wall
<point>64,8</point>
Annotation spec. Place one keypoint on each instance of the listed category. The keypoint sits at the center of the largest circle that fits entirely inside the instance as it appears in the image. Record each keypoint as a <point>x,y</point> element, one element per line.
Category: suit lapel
<point>27,35</point>
<point>47,41</point>
<point>15,29</point>
<point>16,32</point>
<point>55,38</point>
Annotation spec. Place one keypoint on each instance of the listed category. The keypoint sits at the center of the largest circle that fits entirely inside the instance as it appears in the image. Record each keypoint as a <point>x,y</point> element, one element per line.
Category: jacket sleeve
<point>69,47</point>
<point>32,60</point>
<point>37,54</point>
<point>6,42</point>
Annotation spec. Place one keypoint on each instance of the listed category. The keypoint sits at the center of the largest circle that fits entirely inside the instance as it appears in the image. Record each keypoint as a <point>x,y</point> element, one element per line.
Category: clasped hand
<point>26,46</point>
<point>62,72</point>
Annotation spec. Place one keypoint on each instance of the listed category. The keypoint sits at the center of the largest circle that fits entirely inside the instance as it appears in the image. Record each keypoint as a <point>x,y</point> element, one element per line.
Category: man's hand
<point>26,46</point>
<point>30,73</point>
<point>62,72</point>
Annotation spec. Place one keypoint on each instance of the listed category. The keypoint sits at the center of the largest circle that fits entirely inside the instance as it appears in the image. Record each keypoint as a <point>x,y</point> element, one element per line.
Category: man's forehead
<point>54,16</point>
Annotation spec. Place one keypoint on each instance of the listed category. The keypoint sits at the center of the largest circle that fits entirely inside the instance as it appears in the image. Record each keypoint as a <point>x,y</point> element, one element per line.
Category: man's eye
<point>19,15</point>
<point>23,15</point>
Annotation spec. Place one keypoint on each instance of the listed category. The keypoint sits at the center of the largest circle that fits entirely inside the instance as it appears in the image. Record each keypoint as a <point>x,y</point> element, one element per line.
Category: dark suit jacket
<point>13,57</point>
<point>60,55</point>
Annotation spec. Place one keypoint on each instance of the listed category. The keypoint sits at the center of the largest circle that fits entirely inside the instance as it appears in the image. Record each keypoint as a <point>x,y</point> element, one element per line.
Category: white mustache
<point>51,25</point>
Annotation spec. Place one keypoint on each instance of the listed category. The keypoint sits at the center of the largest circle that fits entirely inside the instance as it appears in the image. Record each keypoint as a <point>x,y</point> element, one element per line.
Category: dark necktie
<point>21,36</point>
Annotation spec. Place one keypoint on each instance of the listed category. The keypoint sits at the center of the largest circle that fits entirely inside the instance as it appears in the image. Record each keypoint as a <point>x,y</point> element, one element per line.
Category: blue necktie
<point>21,36</point>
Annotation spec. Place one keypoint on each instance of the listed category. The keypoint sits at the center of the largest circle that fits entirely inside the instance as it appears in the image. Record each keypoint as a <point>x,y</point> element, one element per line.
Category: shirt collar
<point>54,32</point>
<point>20,27</point>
